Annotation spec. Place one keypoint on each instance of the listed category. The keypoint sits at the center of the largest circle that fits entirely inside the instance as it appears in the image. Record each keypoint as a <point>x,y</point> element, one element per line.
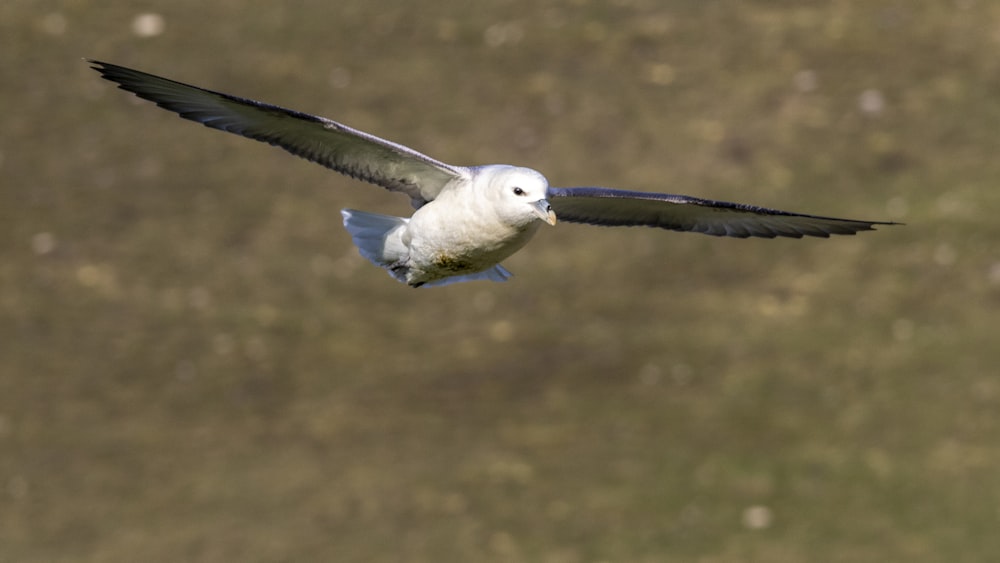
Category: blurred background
<point>196,365</point>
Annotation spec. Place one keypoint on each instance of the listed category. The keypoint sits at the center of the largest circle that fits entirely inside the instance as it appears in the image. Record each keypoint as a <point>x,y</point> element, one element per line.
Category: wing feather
<point>320,140</point>
<point>609,207</point>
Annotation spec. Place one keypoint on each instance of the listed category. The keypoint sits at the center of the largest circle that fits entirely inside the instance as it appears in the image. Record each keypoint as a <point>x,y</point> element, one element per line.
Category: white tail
<point>378,237</point>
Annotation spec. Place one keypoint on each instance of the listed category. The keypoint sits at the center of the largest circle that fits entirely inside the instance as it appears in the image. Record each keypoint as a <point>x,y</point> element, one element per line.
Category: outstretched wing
<point>336,146</point>
<point>608,207</point>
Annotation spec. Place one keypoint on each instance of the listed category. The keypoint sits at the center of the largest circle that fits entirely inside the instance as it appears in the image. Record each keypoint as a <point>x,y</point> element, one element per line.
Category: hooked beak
<point>544,211</point>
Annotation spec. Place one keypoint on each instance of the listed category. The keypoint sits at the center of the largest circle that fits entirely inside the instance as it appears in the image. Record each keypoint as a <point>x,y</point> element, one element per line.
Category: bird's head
<point>519,194</point>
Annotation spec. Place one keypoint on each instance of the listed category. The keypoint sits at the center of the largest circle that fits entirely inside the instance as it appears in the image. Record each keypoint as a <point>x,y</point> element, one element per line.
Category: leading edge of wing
<point>611,207</point>
<point>317,139</point>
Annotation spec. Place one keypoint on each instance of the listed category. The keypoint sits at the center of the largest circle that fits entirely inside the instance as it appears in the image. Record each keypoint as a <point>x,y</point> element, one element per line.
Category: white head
<point>518,194</point>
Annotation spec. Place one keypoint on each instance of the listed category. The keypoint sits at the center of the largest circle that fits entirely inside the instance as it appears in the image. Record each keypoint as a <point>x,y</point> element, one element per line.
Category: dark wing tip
<point>113,72</point>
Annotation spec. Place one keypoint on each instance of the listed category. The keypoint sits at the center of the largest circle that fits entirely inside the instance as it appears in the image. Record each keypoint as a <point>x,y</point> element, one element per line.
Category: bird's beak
<point>544,211</point>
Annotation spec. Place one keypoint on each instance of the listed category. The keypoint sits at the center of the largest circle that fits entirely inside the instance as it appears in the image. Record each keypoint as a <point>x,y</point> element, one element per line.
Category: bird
<point>466,219</point>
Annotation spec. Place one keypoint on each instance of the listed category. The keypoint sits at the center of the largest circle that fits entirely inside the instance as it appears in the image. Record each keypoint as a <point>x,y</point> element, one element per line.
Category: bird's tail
<point>378,237</point>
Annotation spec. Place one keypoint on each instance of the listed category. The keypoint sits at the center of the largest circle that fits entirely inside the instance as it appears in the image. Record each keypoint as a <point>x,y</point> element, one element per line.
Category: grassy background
<point>195,365</point>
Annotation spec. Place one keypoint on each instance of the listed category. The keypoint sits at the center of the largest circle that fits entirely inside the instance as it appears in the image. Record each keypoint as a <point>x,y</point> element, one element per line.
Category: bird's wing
<point>604,206</point>
<point>336,146</point>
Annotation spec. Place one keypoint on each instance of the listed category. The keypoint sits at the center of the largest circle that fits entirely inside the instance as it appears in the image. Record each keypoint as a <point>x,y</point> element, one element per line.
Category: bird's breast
<point>462,242</point>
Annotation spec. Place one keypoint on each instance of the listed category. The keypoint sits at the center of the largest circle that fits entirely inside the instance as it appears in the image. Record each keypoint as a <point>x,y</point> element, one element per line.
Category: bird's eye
<point>518,191</point>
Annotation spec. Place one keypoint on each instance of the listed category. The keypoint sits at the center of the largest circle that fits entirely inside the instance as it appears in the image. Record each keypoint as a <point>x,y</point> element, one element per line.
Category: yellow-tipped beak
<point>545,212</point>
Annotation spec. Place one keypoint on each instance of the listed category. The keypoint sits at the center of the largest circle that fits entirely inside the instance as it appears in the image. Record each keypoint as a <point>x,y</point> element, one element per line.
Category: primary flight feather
<point>467,219</point>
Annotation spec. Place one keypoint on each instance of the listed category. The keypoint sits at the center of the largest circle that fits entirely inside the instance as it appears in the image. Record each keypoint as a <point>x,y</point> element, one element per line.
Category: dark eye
<point>518,191</point>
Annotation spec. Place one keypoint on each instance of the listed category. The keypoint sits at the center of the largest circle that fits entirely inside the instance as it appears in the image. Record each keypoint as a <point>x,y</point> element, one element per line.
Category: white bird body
<point>467,219</point>
<point>463,234</point>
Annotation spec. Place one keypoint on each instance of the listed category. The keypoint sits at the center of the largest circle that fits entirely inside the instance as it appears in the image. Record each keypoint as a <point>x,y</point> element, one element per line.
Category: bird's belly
<point>440,253</point>
<point>463,255</point>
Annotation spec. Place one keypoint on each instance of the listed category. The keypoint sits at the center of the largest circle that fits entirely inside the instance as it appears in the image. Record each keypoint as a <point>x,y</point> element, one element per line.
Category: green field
<point>196,365</point>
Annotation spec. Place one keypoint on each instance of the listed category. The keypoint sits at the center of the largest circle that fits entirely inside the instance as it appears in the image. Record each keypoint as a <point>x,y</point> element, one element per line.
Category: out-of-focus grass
<point>197,366</point>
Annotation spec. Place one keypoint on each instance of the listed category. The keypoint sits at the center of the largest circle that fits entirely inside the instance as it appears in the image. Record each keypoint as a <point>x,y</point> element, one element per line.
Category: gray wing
<point>336,146</point>
<point>604,206</point>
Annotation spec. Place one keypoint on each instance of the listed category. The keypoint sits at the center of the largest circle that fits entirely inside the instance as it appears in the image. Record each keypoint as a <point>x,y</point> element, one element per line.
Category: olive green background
<point>196,365</point>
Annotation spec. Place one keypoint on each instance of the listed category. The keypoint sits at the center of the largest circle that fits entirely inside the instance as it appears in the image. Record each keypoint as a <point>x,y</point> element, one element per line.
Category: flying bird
<point>467,219</point>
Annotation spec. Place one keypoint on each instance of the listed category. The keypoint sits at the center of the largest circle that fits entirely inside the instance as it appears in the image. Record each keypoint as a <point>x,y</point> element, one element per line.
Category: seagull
<point>467,219</point>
